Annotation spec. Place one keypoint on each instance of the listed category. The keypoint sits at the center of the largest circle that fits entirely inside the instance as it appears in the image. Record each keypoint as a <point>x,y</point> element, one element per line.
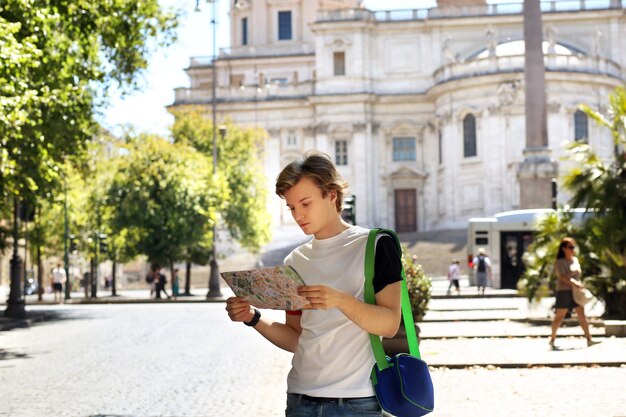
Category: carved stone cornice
<point>273,132</point>
<point>359,127</point>
<point>308,131</point>
<point>321,128</point>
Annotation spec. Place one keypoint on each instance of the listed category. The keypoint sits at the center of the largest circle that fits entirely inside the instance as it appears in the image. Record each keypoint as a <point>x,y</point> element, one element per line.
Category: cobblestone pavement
<point>140,360</point>
<point>189,360</point>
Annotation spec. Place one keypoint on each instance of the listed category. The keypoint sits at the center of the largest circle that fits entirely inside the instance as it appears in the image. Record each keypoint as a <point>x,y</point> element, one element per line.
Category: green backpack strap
<point>370,298</point>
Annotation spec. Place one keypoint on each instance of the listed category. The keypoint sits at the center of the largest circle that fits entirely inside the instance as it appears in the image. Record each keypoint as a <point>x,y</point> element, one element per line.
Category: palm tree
<point>600,187</point>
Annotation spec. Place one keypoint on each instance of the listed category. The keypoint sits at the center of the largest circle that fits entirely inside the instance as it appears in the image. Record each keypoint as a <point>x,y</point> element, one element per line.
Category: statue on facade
<point>508,92</point>
<point>448,55</point>
<point>492,41</point>
<point>595,43</point>
<point>551,38</point>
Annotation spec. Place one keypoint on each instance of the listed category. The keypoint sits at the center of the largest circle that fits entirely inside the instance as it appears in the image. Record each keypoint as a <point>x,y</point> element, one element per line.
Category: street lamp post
<point>66,257</point>
<point>214,277</point>
<point>94,275</point>
<point>15,303</point>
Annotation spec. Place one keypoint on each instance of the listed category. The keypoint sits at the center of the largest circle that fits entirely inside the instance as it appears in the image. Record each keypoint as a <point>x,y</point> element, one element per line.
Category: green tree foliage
<point>164,199</point>
<point>244,213</point>
<point>57,60</point>
<point>87,207</point>
<point>418,286</point>
<point>599,187</point>
<point>539,277</point>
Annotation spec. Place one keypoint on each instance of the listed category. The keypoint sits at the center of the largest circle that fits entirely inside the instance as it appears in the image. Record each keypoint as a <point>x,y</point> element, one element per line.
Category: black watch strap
<point>255,319</point>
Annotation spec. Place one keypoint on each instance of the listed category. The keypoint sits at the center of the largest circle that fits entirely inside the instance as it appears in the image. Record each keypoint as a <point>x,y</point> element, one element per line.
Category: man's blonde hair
<point>318,167</point>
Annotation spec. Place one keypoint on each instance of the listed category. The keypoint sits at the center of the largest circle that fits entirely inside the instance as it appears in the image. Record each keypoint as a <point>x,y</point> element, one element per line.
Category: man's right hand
<point>239,309</point>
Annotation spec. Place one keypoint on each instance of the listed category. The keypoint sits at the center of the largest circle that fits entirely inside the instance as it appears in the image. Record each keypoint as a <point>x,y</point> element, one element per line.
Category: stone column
<point>538,169</point>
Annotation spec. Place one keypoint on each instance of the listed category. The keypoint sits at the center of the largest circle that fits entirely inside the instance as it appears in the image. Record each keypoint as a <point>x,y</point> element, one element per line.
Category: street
<point>188,359</point>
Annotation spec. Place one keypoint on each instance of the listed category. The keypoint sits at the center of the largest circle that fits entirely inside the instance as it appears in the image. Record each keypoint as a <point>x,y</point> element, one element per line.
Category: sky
<point>144,110</point>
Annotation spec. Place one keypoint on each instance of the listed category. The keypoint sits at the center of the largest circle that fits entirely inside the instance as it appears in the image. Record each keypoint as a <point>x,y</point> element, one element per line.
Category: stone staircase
<point>435,250</point>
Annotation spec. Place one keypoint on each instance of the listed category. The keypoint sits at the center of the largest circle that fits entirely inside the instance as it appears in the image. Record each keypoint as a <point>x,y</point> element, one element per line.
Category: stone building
<point>422,110</point>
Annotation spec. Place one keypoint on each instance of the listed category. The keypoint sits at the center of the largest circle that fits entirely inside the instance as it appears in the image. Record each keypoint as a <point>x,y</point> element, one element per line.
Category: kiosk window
<point>482,241</point>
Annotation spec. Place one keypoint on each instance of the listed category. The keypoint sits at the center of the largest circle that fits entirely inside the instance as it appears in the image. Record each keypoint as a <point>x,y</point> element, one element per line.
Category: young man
<point>330,374</point>
<point>58,279</point>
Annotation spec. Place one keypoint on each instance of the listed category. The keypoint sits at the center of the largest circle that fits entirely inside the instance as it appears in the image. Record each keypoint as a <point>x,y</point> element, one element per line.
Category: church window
<point>284,26</point>
<point>469,136</point>
<point>440,145</point>
<point>339,63</point>
<point>279,81</point>
<point>581,132</point>
<point>404,149</point>
<point>341,152</point>
<point>244,31</point>
<point>292,139</point>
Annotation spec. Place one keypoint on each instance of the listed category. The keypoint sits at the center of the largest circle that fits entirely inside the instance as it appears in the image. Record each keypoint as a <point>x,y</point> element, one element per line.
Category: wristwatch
<point>255,319</point>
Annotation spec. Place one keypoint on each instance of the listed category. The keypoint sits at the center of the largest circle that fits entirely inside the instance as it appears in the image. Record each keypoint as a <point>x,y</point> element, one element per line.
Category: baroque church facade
<point>421,110</point>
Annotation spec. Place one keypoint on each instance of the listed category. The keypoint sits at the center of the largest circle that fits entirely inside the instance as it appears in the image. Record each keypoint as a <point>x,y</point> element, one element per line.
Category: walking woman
<point>568,273</point>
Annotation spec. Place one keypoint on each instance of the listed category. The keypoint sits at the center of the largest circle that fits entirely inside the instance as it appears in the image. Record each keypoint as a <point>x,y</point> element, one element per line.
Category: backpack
<point>482,265</point>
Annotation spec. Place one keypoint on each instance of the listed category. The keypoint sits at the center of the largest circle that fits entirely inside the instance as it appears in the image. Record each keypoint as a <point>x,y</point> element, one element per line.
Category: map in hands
<point>273,288</point>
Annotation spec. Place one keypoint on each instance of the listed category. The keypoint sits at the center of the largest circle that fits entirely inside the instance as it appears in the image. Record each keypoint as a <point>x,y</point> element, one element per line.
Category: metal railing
<point>279,49</point>
<point>186,95</point>
<point>515,63</point>
<point>249,51</point>
<point>552,6</point>
<point>200,61</point>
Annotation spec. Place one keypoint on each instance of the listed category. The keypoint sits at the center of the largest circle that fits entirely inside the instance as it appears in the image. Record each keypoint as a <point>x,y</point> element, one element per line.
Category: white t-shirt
<point>334,356</point>
<point>58,275</point>
<point>454,271</point>
<point>487,262</point>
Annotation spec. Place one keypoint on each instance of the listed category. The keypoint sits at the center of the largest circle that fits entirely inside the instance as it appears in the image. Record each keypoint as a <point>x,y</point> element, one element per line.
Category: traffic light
<point>73,243</point>
<point>349,209</point>
<point>104,247</point>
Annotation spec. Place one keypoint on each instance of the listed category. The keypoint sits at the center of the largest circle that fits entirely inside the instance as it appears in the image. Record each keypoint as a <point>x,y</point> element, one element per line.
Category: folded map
<point>274,287</point>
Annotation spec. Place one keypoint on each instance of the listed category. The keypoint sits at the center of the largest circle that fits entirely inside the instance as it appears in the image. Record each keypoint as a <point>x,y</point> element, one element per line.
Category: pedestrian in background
<point>482,266</point>
<point>454,273</point>
<point>160,280</point>
<point>333,357</point>
<point>150,279</point>
<point>59,277</point>
<point>568,273</point>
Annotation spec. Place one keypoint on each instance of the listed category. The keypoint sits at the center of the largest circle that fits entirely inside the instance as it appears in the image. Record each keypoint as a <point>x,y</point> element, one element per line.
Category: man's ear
<point>333,195</point>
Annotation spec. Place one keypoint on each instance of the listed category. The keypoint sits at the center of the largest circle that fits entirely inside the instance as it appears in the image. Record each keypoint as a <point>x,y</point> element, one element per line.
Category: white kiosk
<point>505,237</point>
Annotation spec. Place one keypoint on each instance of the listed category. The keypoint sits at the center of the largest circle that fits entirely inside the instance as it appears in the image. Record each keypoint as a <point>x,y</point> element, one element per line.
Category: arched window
<point>469,136</point>
<point>581,130</point>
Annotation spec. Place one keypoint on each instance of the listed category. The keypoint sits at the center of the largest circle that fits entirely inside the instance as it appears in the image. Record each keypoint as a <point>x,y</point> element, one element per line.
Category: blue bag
<point>402,384</point>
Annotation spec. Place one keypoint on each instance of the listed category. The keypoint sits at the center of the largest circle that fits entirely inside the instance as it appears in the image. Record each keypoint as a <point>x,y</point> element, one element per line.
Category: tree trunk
<point>39,274</point>
<point>89,282</point>
<point>113,277</point>
<point>172,274</point>
<point>188,278</point>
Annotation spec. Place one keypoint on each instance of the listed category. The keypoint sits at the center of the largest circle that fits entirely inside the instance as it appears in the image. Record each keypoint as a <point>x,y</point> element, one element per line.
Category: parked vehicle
<point>30,286</point>
<point>505,237</point>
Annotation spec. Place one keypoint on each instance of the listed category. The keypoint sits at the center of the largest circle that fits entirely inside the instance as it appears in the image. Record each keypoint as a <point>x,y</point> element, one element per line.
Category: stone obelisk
<point>536,172</point>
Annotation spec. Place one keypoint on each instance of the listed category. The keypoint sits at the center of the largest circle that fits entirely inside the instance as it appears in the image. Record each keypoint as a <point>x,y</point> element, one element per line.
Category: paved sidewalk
<point>497,330</point>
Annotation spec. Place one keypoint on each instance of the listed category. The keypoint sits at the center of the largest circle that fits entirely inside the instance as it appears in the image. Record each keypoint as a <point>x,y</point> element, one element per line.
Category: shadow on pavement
<point>5,354</point>
<point>40,317</point>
